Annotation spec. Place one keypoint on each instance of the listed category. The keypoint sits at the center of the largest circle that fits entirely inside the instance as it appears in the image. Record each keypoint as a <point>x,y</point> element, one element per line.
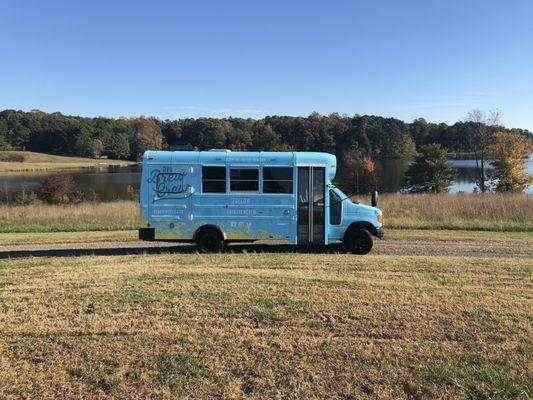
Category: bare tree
<point>484,125</point>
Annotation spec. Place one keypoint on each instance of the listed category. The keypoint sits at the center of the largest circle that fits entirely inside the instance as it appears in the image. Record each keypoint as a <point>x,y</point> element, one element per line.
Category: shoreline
<point>29,161</point>
<point>64,167</point>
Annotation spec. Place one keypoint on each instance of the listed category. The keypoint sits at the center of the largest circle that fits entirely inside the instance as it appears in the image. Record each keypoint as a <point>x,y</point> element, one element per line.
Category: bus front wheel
<point>209,241</point>
<point>358,241</point>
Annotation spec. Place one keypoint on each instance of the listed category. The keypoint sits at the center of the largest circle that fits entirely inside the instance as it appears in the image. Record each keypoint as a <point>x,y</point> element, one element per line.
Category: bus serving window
<point>214,179</point>
<point>244,180</point>
<point>277,180</point>
<point>335,208</point>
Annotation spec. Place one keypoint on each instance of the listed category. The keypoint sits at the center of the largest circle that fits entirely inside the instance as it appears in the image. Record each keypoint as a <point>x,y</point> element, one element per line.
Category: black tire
<point>209,241</point>
<point>358,241</point>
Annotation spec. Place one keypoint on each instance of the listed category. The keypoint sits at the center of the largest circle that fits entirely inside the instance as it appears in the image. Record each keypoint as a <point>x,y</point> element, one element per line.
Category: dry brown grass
<point>10,161</point>
<point>513,241</point>
<point>498,212</point>
<point>463,212</point>
<point>266,325</point>
<point>73,217</point>
<point>12,156</point>
<point>29,238</point>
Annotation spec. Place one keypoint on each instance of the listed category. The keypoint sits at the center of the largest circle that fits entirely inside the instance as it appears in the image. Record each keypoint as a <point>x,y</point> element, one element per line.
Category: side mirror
<point>374,198</point>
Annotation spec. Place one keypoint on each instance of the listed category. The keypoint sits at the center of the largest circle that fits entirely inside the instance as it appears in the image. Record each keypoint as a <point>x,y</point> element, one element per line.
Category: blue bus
<point>215,197</point>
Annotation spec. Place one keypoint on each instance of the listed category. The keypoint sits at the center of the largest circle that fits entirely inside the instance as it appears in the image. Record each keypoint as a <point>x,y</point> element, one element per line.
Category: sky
<point>175,59</point>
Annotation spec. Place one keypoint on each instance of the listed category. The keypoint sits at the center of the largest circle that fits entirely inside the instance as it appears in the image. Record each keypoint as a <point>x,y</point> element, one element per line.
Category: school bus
<point>211,198</point>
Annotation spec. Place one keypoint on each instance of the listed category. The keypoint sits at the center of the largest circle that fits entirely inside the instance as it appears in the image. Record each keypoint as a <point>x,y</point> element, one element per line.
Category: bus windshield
<point>343,196</point>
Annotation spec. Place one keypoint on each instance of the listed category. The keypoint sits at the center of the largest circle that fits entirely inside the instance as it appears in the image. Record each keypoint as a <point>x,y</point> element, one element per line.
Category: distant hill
<point>31,161</point>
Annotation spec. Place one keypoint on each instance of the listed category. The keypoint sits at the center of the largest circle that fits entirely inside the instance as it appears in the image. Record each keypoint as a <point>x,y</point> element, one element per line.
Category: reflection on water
<point>111,183</point>
<point>391,174</point>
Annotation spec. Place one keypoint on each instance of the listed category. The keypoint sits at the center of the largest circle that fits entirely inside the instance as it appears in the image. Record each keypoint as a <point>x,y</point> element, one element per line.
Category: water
<point>111,183</point>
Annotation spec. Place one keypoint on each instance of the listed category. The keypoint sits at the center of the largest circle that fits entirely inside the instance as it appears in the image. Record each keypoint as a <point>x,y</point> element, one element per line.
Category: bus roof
<point>240,157</point>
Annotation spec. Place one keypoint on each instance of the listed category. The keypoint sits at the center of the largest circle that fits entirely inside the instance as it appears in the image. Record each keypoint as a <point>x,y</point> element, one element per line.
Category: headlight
<point>380,218</point>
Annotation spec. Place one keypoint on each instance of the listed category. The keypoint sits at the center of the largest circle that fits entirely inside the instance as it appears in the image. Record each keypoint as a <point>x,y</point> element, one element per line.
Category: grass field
<point>40,161</point>
<point>407,235</point>
<point>282,325</point>
<point>489,212</point>
<point>443,313</point>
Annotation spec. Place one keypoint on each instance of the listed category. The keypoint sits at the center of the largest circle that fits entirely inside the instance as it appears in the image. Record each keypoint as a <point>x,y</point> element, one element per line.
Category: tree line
<point>128,138</point>
<point>357,141</point>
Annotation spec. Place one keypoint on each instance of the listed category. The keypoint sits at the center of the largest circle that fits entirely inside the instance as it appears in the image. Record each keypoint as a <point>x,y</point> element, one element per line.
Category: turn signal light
<point>380,218</point>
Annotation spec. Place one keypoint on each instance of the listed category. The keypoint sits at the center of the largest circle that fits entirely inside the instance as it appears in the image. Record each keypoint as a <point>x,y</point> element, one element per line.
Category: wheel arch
<point>208,226</point>
<point>362,225</point>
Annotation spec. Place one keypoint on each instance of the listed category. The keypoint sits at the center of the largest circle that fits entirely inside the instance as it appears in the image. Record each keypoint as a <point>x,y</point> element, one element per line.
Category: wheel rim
<point>360,243</point>
<point>210,242</point>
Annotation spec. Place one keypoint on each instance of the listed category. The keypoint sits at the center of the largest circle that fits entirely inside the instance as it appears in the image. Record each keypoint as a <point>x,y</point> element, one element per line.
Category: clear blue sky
<point>172,59</point>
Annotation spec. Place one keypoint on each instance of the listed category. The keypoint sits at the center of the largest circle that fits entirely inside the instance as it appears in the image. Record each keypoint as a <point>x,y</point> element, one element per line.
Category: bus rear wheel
<point>209,241</point>
<point>358,241</point>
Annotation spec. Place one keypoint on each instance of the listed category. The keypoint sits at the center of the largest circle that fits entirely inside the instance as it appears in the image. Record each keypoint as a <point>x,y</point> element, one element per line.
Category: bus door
<point>311,206</point>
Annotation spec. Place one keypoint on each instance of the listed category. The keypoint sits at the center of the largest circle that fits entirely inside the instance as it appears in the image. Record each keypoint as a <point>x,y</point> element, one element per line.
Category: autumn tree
<point>509,153</point>
<point>430,172</point>
<point>357,171</point>
<point>60,189</point>
<point>483,126</point>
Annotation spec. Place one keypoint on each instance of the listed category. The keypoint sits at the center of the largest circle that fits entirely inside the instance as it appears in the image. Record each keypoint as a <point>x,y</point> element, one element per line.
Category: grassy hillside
<point>31,161</point>
<point>462,212</point>
<point>265,326</point>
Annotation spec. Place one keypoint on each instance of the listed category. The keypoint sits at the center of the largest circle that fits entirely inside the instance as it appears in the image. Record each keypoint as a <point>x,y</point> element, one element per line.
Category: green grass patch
<point>459,224</point>
<point>267,316</point>
<point>48,228</point>
<point>177,369</point>
<point>319,324</point>
<point>477,378</point>
<point>96,376</point>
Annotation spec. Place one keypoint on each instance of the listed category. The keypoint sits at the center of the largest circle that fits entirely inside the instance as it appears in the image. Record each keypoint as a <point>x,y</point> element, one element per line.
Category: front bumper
<point>380,233</point>
<point>147,234</point>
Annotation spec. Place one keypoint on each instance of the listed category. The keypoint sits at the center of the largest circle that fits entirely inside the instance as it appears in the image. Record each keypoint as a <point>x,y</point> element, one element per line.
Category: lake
<point>111,183</point>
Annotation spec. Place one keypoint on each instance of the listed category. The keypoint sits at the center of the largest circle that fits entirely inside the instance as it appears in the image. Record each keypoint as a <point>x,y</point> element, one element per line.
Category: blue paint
<point>175,200</point>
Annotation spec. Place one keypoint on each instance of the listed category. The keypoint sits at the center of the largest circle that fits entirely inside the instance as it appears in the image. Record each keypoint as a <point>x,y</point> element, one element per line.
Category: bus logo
<point>169,185</point>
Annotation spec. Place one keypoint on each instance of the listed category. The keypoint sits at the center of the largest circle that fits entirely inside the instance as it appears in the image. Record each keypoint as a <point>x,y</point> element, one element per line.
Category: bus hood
<point>362,210</point>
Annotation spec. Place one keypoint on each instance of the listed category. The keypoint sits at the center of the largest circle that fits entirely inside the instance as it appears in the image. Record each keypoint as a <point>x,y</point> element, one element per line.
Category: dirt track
<point>394,247</point>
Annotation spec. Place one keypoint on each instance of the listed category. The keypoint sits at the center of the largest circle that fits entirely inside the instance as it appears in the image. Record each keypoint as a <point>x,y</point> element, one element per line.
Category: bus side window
<point>244,180</point>
<point>213,179</point>
<point>277,180</point>
<point>335,208</point>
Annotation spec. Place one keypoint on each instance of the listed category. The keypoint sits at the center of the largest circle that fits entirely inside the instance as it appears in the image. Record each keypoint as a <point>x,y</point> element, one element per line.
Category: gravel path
<point>391,247</point>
